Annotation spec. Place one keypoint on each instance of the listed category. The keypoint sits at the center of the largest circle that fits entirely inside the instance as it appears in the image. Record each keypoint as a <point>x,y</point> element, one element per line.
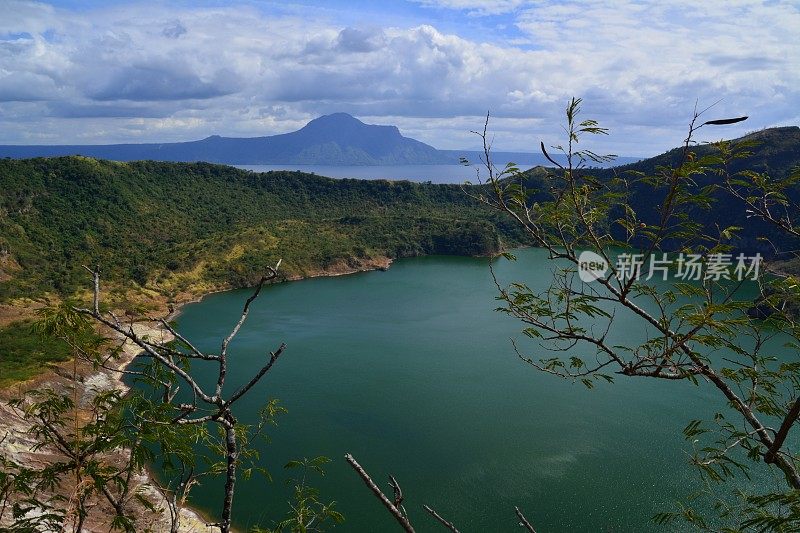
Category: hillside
<point>190,228</point>
<point>776,152</point>
<point>167,232</point>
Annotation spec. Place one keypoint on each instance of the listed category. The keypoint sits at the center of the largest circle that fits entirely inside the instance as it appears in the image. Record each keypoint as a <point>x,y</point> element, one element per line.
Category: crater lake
<point>412,371</point>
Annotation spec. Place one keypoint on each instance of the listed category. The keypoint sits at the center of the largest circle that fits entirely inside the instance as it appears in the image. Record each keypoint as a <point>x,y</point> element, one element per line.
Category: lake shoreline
<point>195,516</point>
<point>89,382</point>
<point>192,519</point>
<point>380,263</point>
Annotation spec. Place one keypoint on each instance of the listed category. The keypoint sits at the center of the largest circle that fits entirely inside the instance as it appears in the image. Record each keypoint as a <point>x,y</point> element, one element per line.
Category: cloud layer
<point>151,72</point>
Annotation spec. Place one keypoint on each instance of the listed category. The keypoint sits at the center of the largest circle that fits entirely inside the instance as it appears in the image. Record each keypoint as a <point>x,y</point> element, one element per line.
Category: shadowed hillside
<point>773,151</point>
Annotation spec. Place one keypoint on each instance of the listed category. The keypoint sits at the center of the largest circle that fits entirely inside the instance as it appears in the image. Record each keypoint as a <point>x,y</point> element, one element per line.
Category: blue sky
<point>87,72</point>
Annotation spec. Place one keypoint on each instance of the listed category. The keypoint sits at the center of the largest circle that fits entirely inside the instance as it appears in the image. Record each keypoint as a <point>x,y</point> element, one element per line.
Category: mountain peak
<point>335,120</point>
<point>341,126</point>
<point>334,139</point>
<point>340,116</point>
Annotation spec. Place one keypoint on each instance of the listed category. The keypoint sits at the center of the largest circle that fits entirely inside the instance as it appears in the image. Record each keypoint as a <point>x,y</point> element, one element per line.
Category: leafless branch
<point>398,494</point>
<point>524,521</point>
<point>445,523</point>
<point>401,518</point>
<point>217,407</point>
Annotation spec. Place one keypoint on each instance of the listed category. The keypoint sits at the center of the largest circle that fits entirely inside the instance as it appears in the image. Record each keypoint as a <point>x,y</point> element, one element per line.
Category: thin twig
<point>437,516</point>
<point>523,522</point>
<point>401,518</point>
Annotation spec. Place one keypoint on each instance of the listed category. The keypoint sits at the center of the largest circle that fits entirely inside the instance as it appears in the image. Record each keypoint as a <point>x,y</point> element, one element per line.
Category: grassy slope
<point>24,353</point>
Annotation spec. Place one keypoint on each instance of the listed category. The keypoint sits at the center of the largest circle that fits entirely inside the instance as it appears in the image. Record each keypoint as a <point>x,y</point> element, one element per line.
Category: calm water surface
<point>420,173</point>
<point>413,373</point>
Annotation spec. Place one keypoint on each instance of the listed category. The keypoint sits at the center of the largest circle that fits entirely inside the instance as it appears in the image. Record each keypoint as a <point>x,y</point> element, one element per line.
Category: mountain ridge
<point>334,139</point>
<point>774,152</point>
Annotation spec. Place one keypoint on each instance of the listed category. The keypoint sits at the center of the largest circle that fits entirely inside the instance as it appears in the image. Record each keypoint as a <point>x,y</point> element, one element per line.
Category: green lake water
<point>412,371</point>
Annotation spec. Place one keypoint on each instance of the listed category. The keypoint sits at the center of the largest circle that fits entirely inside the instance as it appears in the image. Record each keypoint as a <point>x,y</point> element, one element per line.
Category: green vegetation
<point>191,227</point>
<point>25,351</point>
<point>194,226</point>
<point>95,442</point>
<point>709,201</point>
<point>307,513</point>
<point>773,152</point>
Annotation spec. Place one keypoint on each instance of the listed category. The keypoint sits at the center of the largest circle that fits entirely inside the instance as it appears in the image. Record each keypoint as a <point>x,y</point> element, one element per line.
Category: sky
<point>99,72</point>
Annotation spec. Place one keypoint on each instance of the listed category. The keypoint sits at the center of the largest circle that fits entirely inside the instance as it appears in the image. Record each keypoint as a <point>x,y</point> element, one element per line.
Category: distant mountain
<point>337,139</point>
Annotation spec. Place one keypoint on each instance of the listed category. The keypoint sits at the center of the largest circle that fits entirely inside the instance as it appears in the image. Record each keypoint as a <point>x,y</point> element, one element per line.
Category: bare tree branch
<point>524,521</point>
<point>401,518</point>
<point>217,407</point>
<point>445,523</point>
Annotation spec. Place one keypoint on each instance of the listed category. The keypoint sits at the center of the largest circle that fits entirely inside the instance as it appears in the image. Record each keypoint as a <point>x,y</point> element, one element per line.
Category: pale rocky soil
<point>18,444</point>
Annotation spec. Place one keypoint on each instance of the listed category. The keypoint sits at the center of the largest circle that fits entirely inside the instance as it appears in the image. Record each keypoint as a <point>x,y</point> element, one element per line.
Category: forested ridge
<point>773,153</point>
<point>176,227</point>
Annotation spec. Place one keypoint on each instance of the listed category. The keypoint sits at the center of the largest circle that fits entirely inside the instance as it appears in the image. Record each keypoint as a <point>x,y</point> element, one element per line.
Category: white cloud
<point>476,7</point>
<point>159,73</point>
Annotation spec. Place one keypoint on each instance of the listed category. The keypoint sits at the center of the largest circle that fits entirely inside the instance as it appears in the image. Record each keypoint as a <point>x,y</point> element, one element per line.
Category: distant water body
<point>418,173</point>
